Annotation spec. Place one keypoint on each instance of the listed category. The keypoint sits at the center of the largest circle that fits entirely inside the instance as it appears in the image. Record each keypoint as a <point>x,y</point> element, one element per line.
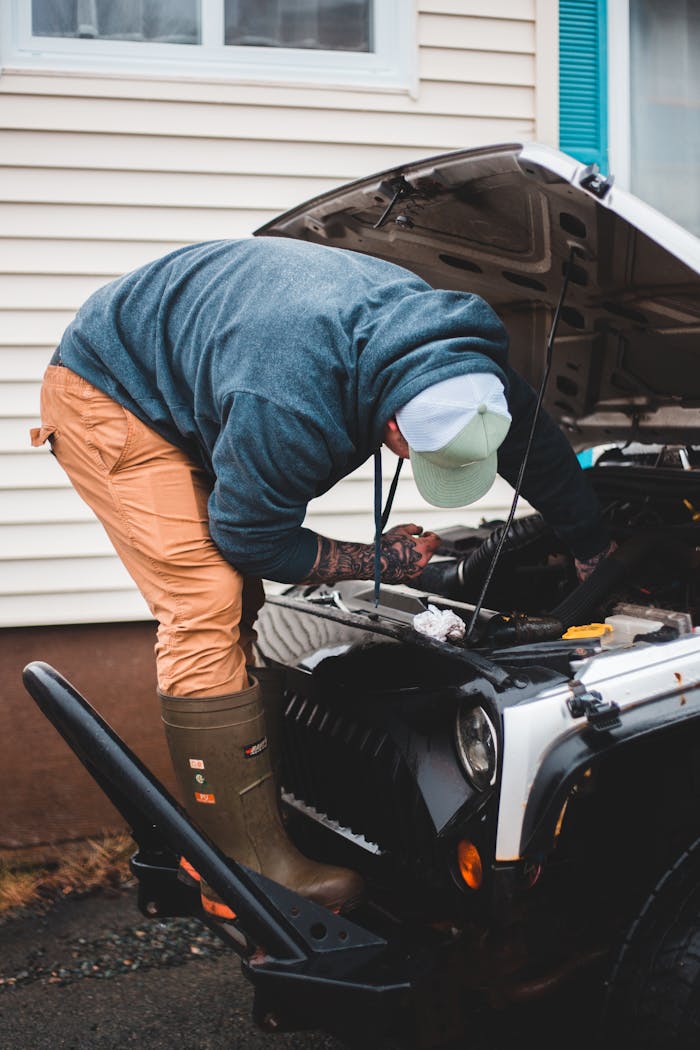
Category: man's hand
<point>585,568</point>
<point>406,550</point>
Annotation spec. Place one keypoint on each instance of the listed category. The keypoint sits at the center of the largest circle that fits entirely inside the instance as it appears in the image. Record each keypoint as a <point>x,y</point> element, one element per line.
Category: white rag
<point>439,623</point>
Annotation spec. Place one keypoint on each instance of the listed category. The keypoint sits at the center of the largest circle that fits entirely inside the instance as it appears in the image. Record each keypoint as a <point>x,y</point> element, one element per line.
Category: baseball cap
<point>453,430</point>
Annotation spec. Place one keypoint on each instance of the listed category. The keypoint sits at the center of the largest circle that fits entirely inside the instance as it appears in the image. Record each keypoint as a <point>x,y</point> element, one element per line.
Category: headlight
<point>476,743</point>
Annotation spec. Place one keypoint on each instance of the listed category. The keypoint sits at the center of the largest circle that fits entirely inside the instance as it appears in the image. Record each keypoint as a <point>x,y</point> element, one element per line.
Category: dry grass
<point>35,878</point>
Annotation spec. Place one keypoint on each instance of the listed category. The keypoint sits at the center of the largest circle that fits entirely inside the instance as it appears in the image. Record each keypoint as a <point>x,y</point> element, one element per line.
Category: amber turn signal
<point>469,861</point>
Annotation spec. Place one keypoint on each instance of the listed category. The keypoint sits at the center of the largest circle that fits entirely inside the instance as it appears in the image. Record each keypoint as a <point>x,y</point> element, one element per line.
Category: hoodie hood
<point>415,341</point>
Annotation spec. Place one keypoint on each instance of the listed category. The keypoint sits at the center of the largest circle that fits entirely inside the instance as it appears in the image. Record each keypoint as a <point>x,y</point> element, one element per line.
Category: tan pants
<point>152,500</point>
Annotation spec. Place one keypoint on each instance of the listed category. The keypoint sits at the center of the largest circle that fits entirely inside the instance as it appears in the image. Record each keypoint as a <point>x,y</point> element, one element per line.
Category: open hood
<point>506,222</point>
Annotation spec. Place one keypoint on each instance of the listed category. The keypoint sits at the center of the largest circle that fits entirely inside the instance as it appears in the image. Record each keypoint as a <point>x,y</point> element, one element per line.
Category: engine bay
<point>651,500</point>
<point>534,611</point>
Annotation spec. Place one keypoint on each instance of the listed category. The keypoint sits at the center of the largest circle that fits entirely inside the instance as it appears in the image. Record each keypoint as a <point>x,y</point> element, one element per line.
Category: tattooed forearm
<point>337,560</point>
<point>401,559</point>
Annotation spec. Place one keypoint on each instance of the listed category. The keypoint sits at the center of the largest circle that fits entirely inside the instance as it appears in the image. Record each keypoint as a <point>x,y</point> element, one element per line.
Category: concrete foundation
<point>45,793</point>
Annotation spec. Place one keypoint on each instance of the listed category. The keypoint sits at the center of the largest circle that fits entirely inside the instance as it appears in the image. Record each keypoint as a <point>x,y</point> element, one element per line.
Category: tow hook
<point>600,714</point>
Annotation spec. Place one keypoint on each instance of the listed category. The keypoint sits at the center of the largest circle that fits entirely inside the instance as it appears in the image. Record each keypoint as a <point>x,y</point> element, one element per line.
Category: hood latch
<point>602,715</point>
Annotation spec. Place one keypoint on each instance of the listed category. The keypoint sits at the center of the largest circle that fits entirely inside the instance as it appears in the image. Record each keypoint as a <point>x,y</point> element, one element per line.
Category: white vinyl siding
<point>99,174</point>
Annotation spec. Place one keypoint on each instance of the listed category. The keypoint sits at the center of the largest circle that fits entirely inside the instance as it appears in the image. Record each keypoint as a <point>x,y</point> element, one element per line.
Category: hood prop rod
<point>526,456</point>
<point>381,516</point>
<point>402,189</point>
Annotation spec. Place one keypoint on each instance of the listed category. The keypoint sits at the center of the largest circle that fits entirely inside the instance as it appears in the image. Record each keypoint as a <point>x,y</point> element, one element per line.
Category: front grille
<point>351,773</point>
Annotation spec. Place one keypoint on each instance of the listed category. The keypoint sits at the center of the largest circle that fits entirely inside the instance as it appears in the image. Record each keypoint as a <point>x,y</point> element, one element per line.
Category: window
<point>172,22</point>
<point>665,107</point>
<point>350,42</point>
<point>333,25</point>
<point>655,104</point>
<point>630,91</point>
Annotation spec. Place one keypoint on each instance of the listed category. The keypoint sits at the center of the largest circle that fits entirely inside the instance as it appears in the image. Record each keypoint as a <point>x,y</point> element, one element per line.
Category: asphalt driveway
<point>93,974</point>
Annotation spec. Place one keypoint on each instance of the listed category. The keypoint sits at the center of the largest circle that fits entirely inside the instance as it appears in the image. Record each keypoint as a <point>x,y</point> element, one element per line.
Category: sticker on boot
<point>255,749</point>
<point>196,763</point>
<point>200,796</point>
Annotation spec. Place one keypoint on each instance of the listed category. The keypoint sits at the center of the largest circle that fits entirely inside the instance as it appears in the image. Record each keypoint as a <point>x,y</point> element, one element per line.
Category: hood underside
<point>507,223</point>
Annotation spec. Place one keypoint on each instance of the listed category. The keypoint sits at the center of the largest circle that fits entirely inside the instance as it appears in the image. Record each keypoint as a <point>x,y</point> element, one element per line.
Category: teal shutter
<point>583,81</point>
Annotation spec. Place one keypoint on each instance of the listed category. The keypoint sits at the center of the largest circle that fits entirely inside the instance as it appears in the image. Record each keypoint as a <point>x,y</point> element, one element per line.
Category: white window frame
<point>619,141</point>
<point>390,66</point>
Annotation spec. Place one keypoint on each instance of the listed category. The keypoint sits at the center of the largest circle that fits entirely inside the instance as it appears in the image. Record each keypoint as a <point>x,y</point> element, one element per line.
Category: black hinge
<point>600,714</point>
<point>400,190</point>
<point>597,184</point>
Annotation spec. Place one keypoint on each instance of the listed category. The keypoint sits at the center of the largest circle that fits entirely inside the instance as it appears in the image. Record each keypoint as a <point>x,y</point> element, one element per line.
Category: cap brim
<point>450,487</point>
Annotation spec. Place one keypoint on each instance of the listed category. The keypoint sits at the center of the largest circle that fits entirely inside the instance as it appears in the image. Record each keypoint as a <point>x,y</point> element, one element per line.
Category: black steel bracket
<point>286,927</point>
<point>596,183</point>
<point>586,703</point>
<point>309,967</point>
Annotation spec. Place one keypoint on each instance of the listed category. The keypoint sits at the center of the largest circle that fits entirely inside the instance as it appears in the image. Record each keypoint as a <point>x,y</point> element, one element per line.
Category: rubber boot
<point>271,682</point>
<point>221,760</point>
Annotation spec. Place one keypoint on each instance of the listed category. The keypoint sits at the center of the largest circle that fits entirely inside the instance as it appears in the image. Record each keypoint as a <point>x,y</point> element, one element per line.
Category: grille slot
<point>349,771</point>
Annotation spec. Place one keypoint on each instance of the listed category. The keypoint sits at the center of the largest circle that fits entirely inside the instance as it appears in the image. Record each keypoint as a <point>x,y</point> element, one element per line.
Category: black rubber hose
<point>522,532</point>
<point>457,578</point>
<point>578,607</point>
<point>441,577</point>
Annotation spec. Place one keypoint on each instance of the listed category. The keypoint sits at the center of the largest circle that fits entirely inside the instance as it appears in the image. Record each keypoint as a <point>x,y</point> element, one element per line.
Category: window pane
<point>665,106</point>
<point>165,21</point>
<point>329,25</point>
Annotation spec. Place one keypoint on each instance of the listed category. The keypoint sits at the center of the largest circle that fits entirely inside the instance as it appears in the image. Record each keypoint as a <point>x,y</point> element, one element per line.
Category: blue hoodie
<point>276,364</point>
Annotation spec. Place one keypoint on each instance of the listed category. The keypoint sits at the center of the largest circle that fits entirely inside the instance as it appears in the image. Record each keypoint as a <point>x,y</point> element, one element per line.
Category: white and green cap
<point>453,430</point>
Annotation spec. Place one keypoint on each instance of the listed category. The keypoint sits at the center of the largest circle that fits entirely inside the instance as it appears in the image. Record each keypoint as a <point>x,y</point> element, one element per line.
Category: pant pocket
<point>109,430</point>
<point>40,435</point>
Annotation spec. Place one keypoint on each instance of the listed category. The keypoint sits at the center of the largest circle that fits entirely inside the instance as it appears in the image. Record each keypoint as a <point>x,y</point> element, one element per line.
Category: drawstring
<point>381,516</point>
<point>377,524</point>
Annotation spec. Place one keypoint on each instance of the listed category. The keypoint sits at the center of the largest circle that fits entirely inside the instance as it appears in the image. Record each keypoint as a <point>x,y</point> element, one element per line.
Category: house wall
<point>100,173</point>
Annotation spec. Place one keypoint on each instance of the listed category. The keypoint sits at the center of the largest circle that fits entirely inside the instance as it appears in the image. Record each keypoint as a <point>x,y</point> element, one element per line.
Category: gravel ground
<point>146,946</point>
<point>93,974</point>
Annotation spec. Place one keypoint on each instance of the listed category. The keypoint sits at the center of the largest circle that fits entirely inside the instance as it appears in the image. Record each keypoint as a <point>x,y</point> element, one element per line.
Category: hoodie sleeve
<point>554,484</point>
<point>268,463</point>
